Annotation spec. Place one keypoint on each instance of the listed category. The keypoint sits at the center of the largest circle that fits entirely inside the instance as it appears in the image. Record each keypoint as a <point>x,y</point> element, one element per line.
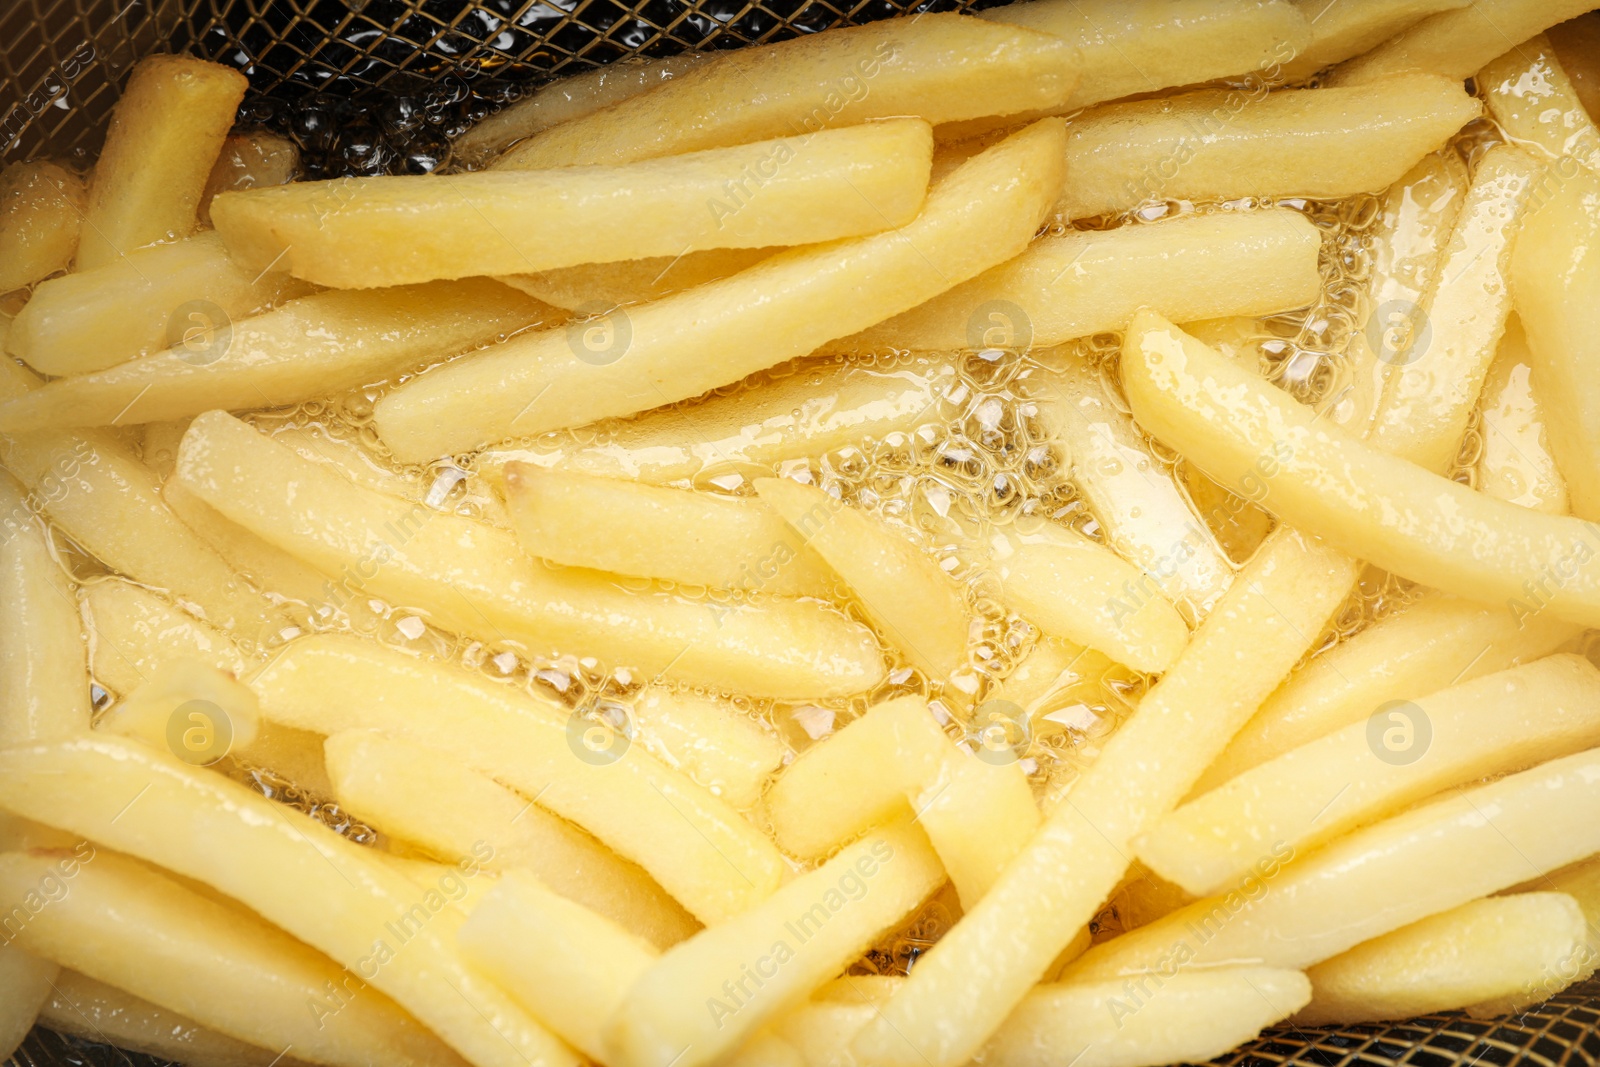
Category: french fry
<point>136,631</point>
<point>1457,44</point>
<point>1496,724</point>
<point>1340,31</point>
<point>942,69</point>
<point>598,286</point>
<point>295,873</point>
<point>895,760</point>
<point>654,532</point>
<point>1225,144</point>
<point>145,302</point>
<point>705,996</point>
<point>1084,283</point>
<point>572,97</point>
<point>914,604</point>
<point>1435,643</point>
<point>1574,43</point>
<point>166,133</point>
<point>25,982</point>
<point>357,233</point>
<point>41,207</point>
<point>1555,259</point>
<point>1392,513</point>
<point>1516,463</point>
<point>1437,377</point>
<point>982,214</point>
<point>1141,508</point>
<point>473,578</point>
<point>439,805</point>
<point>697,847</point>
<point>1430,859</point>
<point>811,411</point>
<point>254,159</point>
<point>97,1012</point>
<point>312,346</point>
<point>1139,47</point>
<point>710,740</point>
<point>93,488</point>
<point>1046,895</point>
<point>129,926</point>
<point>1481,951</point>
<point>353,460</point>
<point>564,963</point>
<point>44,679</point>
<point>1530,95</point>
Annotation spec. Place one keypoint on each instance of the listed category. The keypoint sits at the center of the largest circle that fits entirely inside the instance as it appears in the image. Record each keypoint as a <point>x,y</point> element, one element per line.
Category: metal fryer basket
<point>62,61</point>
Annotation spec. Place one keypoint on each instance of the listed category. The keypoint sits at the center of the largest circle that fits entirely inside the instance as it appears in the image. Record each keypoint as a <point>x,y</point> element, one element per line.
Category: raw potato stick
<point>984,213</point>
<point>594,287</point>
<point>1084,283</point>
<point>145,302</point>
<point>1224,145</point>
<point>941,68</point>
<point>1392,513</point>
<point>25,985</point>
<point>1516,463</point>
<point>358,233</point>
<point>1534,101</point>
<point>291,870</point>
<point>254,159</point>
<point>137,631</point>
<point>310,347</point>
<point>710,739</point>
<point>41,206</point>
<point>167,130</point>
<point>1342,30</point>
<point>1457,44</point>
<point>473,578</point>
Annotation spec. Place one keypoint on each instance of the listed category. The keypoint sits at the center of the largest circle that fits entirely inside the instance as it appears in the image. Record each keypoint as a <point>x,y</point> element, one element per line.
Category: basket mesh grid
<point>62,61</point>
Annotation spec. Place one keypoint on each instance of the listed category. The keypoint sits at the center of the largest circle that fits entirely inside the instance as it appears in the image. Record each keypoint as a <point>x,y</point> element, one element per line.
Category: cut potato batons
<point>166,132</point>
<point>177,295</point>
<point>41,208</point>
<point>1457,44</point>
<point>310,347</point>
<point>711,739</point>
<point>25,986</point>
<point>1517,463</point>
<point>1535,102</point>
<point>1224,144</point>
<point>697,847</point>
<point>474,578</point>
<point>253,159</point>
<point>1392,513</point>
<point>982,214</point>
<point>1342,30</point>
<point>357,233</point>
<point>594,287</point>
<point>941,68</point>
<point>136,631</point>
<point>1084,283</point>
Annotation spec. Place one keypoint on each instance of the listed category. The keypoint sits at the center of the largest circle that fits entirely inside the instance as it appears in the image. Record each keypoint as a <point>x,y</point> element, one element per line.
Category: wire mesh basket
<point>63,61</point>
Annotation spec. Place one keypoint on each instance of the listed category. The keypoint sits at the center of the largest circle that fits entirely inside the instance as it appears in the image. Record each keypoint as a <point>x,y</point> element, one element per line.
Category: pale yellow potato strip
<point>1084,283</point>
<point>1435,643</point>
<point>310,347</point>
<point>1557,260</point>
<point>1403,752</point>
<point>356,233</point>
<point>473,578</point>
<point>44,678</point>
<point>431,800</point>
<point>704,997</point>
<point>1516,463</point>
<point>134,631</point>
<point>1145,516</point>
<point>41,207</point>
<point>912,602</point>
<point>711,740</point>
<point>1480,951</point>
<point>595,287</point>
<point>250,160</point>
<point>1430,859</point>
<point>1379,508</point>
<point>167,130</point>
<point>291,870</point>
<point>942,68</point>
<point>984,213</point>
<point>1135,47</point>
<point>1226,144</point>
<point>653,532</point>
<point>132,927</point>
<point>571,97</point>
<point>1254,635</point>
<point>1534,101</point>
<point>1430,396</point>
<point>25,985</point>
<point>812,410</point>
<point>567,965</point>
<point>1342,30</point>
<point>698,848</point>
<point>1457,44</point>
<point>1070,586</point>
